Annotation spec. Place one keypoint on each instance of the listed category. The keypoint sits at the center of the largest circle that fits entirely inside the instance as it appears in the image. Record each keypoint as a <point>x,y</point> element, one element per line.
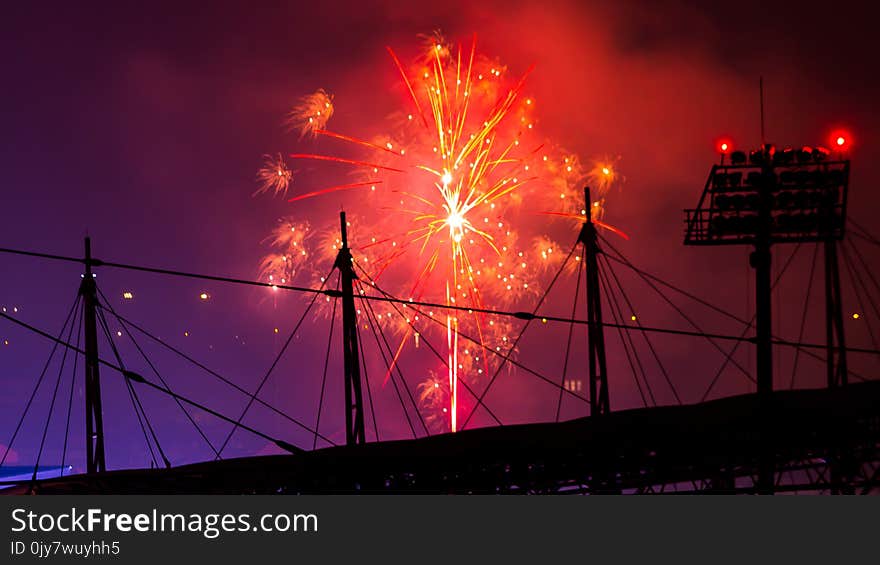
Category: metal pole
<point>599,401</point>
<point>839,457</point>
<point>836,360</point>
<point>95,462</point>
<point>760,260</point>
<point>354,404</point>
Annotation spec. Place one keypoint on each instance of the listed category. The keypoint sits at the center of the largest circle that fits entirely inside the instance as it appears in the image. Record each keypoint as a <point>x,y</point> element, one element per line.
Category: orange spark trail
<point>353,140</point>
<point>341,160</point>
<point>408,85</point>
<point>581,217</point>
<point>334,189</point>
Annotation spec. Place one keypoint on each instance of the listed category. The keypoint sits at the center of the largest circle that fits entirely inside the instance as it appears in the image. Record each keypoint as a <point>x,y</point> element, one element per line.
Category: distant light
<point>606,171</point>
<point>840,138</point>
<point>633,317</point>
<point>185,334</point>
<point>118,334</point>
<point>724,145</point>
<point>127,295</point>
<point>5,342</point>
<point>446,178</point>
<point>543,320</point>
<point>855,316</point>
<point>276,330</point>
<point>204,296</point>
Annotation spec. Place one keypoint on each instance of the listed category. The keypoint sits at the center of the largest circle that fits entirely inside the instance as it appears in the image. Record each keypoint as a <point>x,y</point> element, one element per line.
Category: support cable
<point>865,266</point>
<point>368,311</point>
<point>52,402</point>
<point>476,342</point>
<point>681,313</point>
<point>131,375</point>
<point>137,346</point>
<point>577,289</point>
<point>857,284</point>
<point>518,315</point>
<point>645,335</point>
<point>136,405</point>
<point>522,331</point>
<point>801,346</point>
<point>865,234</point>
<point>324,377</point>
<point>221,378</point>
<point>443,360</point>
<point>403,382</point>
<point>39,380</point>
<point>274,363</point>
<point>616,315</point>
<point>70,398</point>
<point>369,389</point>
<point>797,352</point>
<point>750,324</point>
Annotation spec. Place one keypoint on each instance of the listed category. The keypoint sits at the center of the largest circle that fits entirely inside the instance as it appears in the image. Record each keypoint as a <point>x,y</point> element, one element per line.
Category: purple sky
<point>143,126</point>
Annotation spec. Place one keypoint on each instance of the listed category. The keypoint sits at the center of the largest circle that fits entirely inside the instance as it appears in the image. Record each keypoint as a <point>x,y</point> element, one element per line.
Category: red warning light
<point>840,139</point>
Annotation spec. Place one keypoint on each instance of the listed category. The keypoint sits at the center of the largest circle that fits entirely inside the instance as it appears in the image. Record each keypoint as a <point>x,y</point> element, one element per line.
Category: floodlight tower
<point>769,197</point>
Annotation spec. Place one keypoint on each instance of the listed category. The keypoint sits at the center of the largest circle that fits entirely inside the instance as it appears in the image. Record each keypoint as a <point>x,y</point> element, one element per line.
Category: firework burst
<point>455,184</point>
<point>311,113</point>
<point>273,176</point>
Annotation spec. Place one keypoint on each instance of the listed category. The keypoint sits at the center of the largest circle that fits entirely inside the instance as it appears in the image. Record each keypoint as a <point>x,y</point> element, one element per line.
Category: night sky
<point>143,125</point>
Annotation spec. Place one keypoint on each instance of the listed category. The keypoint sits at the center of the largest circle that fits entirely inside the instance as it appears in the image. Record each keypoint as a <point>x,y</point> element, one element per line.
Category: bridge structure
<point>820,440</point>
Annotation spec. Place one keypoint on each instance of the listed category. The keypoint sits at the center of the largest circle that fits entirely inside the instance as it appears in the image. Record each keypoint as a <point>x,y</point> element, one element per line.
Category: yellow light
<point>203,296</point>
<point>633,317</point>
<point>276,330</point>
<point>606,171</point>
<point>127,295</point>
<point>855,316</point>
<point>185,334</point>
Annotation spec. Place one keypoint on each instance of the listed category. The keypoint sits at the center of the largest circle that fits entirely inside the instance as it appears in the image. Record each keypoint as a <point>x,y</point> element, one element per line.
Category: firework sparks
<point>447,185</point>
<point>290,238</point>
<point>273,176</point>
<point>311,113</point>
<point>604,174</point>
